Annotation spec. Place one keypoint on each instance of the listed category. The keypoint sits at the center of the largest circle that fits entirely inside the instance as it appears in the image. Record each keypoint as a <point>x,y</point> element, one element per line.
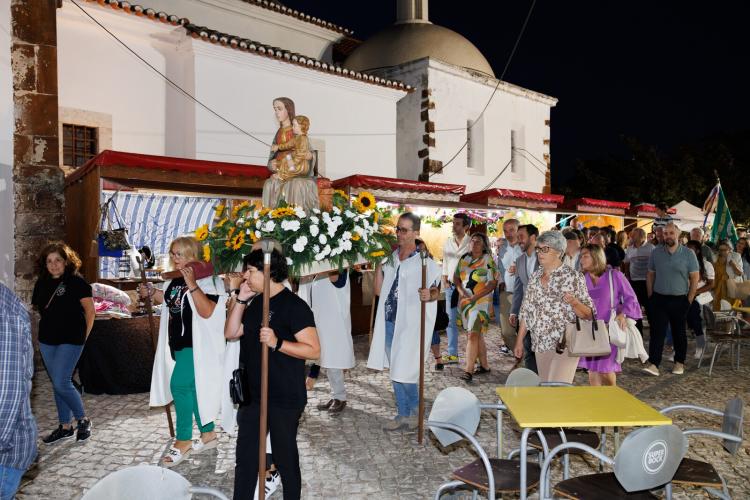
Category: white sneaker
<point>678,369</point>
<point>272,484</point>
<point>651,369</point>
<point>699,352</point>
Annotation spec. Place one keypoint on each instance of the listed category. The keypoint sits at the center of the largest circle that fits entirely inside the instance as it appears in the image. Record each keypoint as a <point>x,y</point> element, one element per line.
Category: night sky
<point>665,72</point>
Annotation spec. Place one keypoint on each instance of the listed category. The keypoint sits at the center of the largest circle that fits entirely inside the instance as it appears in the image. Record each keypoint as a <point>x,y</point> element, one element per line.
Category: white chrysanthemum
<point>350,214</point>
<point>314,219</point>
<point>336,210</point>
<point>314,230</point>
<point>346,245</point>
<point>269,226</point>
<point>322,239</point>
<point>299,213</point>
<point>299,245</point>
<point>290,225</point>
<point>346,235</point>
<point>316,248</point>
<point>289,261</point>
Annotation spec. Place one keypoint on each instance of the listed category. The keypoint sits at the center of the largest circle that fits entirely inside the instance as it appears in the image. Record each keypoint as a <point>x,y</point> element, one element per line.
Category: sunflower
<point>222,222</point>
<point>239,207</point>
<point>375,217</point>
<point>263,212</point>
<point>377,253</point>
<point>366,201</point>
<point>282,212</point>
<point>201,233</point>
<point>207,252</point>
<point>219,210</point>
<point>253,238</point>
<point>238,241</point>
<point>356,237</point>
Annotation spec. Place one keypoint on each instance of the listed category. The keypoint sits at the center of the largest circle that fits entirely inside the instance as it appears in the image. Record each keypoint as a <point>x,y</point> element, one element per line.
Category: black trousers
<point>641,293</point>
<point>528,355</point>
<point>282,424</point>
<point>668,310</point>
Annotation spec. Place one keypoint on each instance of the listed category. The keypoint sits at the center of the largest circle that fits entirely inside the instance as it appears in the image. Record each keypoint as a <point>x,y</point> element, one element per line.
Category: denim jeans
<point>10,478</point>
<point>407,395</point>
<point>452,330</point>
<point>60,361</point>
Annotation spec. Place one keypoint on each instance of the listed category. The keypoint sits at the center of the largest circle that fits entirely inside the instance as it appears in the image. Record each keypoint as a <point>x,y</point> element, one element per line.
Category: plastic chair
<point>724,328</point>
<point>455,416</point>
<point>147,482</point>
<point>647,459</point>
<point>702,474</point>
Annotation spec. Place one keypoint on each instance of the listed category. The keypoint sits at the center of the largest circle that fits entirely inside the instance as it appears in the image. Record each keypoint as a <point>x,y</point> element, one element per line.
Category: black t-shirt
<point>180,314</point>
<point>64,321</point>
<point>286,374</point>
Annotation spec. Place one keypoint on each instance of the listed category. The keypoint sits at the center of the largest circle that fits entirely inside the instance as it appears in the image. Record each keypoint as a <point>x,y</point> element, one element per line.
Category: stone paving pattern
<point>348,456</point>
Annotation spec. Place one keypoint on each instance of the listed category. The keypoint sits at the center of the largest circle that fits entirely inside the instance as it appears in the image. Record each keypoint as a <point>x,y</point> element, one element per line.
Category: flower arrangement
<point>346,235</point>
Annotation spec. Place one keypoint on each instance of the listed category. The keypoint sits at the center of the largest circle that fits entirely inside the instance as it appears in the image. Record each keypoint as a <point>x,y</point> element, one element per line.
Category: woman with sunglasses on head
<point>190,352</point>
<point>555,295</point>
<point>476,277</point>
<point>603,369</point>
<point>63,299</point>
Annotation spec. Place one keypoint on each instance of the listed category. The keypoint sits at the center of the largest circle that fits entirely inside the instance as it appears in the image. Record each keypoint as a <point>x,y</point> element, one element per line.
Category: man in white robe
<point>395,341</point>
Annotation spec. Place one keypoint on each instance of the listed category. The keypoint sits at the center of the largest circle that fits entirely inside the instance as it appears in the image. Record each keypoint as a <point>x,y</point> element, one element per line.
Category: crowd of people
<point>211,331</point>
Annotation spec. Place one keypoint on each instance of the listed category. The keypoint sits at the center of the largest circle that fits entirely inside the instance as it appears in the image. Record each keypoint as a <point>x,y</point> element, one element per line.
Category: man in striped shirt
<point>17,425</point>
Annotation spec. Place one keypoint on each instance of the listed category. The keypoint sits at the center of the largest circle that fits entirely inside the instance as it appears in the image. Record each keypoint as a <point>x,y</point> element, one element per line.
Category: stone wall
<point>37,177</point>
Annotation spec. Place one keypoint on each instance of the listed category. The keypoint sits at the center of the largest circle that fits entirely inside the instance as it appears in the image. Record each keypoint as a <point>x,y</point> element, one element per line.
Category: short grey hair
<point>699,229</point>
<point>553,239</point>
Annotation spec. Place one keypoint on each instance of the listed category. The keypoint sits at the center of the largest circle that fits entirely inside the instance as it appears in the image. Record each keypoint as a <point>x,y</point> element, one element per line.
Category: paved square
<point>348,456</point>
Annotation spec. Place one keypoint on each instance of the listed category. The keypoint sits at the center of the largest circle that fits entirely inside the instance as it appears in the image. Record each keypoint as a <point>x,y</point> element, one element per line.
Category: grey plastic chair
<point>724,329</point>
<point>702,474</point>
<point>647,460</point>
<point>147,482</point>
<point>455,416</point>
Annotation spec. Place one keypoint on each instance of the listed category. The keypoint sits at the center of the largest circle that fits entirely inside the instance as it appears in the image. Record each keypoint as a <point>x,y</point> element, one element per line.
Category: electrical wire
<point>167,79</point>
<point>494,91</point>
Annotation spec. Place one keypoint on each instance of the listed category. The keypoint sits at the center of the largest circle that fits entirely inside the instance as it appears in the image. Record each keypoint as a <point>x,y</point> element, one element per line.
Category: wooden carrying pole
<point>267,247</point>
<point>423,306</point>
<point>152,329</point>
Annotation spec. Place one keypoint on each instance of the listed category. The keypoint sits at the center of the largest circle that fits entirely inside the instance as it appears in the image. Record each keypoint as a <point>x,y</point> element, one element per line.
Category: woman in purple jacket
<point>603,369</point>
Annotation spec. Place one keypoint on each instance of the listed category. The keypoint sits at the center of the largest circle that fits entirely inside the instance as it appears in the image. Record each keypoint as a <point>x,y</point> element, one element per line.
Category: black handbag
<point>238,389</point>
<point>441,319</point>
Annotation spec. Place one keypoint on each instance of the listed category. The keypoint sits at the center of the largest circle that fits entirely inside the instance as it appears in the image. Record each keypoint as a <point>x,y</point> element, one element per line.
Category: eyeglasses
<point>175,255</point>
<point>402,230</point>
<point>543,249</point>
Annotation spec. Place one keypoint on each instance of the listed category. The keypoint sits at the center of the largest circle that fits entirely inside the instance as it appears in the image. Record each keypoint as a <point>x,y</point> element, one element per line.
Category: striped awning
<point>154,220</point>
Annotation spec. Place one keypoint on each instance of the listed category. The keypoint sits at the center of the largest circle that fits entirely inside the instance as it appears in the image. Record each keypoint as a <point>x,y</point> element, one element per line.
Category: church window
<point>79,144</point>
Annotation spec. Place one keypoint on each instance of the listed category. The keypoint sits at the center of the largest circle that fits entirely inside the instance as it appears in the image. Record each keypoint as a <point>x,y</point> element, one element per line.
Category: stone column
<point>37,177</point>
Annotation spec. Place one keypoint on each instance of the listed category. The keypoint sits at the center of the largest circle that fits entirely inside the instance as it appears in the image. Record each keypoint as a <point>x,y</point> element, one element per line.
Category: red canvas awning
<point>109,158</point>
<point>592,205</point>
<point>400,190</point>
<point>647,210</point>
<point>514,198</point>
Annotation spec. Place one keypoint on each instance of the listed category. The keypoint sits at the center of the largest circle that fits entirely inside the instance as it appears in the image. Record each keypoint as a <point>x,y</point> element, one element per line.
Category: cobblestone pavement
<point>349,456</point>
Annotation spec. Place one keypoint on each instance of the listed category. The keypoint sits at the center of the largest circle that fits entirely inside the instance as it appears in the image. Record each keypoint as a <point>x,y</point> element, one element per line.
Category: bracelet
<point>278,344</point>
<point>243,302</point>
<point>194,289</point>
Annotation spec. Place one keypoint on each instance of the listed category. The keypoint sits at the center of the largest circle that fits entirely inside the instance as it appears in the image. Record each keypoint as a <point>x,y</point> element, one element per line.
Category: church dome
<point>409,41</point>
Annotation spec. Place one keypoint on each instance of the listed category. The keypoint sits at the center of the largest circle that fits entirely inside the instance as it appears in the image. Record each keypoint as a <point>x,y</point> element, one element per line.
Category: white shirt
<point>510,255</point>
<point>574,261</point>
<point>452,251</point>
<point>530,263</point>
<point>706,297</point>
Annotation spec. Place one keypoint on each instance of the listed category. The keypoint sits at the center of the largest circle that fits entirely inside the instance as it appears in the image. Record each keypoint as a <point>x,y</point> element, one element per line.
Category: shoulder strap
<point>611,292</point>
<point>54,294</point>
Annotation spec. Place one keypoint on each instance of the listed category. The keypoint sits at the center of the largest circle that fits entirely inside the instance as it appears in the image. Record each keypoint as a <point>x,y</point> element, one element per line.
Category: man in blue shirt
<point>671,284</point>
<point>17,426</point>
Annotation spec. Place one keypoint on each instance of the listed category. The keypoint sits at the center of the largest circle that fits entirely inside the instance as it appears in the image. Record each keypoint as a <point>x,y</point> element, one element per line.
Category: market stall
<point>592,212</point>
<point>529,208</point>
<point>156,198</point>
<point>642,215</point>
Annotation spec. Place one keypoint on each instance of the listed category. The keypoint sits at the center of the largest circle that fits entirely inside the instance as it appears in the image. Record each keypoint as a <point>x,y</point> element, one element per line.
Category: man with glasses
<point>395,340</point>
<point>524,267</point>
<point>455,247</point>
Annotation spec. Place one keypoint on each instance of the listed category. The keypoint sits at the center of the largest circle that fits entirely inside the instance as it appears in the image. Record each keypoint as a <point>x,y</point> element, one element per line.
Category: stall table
<point>118,357</point>
<point>552,407</point>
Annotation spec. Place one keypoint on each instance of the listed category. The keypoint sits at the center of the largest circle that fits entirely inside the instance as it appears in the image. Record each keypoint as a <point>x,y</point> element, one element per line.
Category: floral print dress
<point>476,276</point>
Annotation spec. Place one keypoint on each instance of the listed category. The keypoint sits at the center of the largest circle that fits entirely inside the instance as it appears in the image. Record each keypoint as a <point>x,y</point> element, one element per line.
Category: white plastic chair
<point>147,482</point>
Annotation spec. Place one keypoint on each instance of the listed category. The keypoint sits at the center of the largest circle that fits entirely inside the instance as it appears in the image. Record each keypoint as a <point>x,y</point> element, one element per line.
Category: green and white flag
<point>723,228</point>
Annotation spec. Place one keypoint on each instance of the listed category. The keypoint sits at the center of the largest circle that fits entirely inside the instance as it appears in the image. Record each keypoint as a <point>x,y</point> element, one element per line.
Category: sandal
<point>199,446</point>
<point>175,456</point>
<point>466,376</point>
<point>481,370</point>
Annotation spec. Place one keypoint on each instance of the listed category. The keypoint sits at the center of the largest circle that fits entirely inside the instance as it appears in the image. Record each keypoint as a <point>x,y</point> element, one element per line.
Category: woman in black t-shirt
<point>63,299</point>
<point>292,338</point>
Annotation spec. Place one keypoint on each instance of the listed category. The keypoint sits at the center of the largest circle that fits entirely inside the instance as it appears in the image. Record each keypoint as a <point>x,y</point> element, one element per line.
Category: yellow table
<point>551,407</point>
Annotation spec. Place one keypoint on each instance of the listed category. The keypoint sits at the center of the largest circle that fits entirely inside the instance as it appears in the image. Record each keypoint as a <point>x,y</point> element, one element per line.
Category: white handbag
<point>617,336</point>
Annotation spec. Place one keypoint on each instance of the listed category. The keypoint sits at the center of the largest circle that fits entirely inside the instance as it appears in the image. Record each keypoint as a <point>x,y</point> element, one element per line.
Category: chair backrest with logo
<point>649,457</point>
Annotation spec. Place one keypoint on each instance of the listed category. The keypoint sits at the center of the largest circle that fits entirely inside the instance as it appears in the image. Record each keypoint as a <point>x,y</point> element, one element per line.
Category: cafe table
<point>535,408</point>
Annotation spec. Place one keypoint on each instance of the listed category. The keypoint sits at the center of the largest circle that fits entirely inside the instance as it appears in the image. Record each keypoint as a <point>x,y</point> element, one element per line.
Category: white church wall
<point>96,74</point>
<point>256,23</point>
<point>7,249</point>
<point>353,122</point>
<point>459,100</point>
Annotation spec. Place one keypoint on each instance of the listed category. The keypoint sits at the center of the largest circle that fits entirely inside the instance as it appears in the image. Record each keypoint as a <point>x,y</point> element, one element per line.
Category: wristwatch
<point>243,302</point>
<point>278,344</point>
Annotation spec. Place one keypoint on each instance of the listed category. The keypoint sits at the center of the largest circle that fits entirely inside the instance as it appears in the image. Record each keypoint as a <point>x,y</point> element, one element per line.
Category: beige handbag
<point>587,338</point>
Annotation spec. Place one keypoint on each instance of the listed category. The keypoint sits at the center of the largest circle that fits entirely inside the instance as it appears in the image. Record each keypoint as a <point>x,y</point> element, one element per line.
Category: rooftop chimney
<point>412,11</point>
